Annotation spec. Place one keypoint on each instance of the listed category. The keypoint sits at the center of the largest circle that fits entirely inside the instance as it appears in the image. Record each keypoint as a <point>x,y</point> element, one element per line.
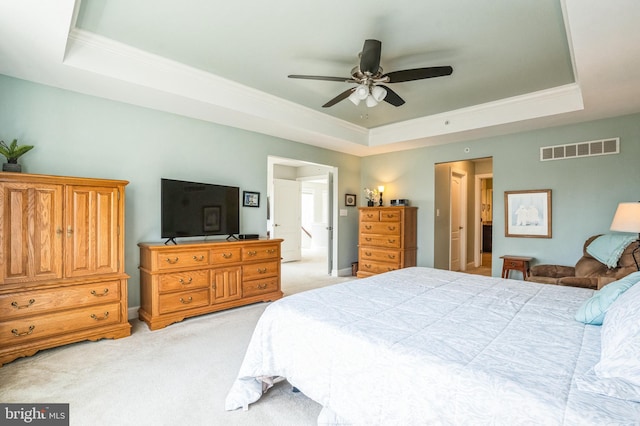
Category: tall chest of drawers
<point>386,239</point>
<point>189,279</point>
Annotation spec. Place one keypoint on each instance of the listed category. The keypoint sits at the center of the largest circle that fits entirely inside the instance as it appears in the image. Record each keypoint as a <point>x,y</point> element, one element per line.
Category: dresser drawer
<point>260,286</point>
<point>390,241</point>
<point>30,328</point>
<point>389,228</point>
<point>390,216</point>
<point>376,267</point>
<point>269,251</point>
<point>369,216</point>
<point>173,302</point>
<point>174,259</point>
<point>260,270</point>
<point>38,301</point>
<point>186,280</point>
<point>223,256</point>
<point>393,257</point>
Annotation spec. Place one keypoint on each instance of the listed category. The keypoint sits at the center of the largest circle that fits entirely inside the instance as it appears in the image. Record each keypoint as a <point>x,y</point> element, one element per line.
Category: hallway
<point>484,268</point>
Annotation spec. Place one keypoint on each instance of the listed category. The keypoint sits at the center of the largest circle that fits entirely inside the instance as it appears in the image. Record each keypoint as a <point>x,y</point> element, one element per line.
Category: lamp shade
<point>381,188</point>
<point>353,97</point>
<point>362,92</point>
<point>627,218</point>
<point>378,93</point>
<point>371,102</point>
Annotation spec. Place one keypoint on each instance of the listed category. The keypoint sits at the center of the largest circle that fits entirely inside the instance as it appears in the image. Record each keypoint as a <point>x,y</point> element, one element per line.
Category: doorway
<point>309,253</point>
<point>462,190</point>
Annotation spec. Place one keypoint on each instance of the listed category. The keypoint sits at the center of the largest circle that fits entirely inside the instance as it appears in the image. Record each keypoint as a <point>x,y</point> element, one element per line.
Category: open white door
<point>329,223</point>
<point>286,218</point>
<point>457,245</point>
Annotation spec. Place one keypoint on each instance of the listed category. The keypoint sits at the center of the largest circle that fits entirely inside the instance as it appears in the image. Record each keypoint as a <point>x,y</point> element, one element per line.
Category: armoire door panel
<point>33,245</point>
<point>92,237</point>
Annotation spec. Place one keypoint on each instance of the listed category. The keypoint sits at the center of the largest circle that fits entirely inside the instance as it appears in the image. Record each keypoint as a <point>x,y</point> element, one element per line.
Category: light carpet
<point>179,375</point>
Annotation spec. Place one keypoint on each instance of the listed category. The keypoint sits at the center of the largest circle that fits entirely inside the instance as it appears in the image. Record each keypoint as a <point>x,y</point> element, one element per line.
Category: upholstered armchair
<point>588,272</point>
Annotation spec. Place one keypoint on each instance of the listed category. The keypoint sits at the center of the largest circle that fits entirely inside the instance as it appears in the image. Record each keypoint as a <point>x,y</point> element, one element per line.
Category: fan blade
<point>417,74</point>
<point>341,97</point>
<point>320,77</point>
<point>370,57</point>
<point>392,97</point>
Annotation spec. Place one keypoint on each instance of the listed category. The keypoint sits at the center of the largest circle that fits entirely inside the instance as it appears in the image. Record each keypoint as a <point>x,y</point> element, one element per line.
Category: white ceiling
<point>518,65</point>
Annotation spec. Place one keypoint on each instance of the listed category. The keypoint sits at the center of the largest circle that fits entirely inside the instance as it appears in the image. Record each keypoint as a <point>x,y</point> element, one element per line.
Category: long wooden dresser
<point>62,276</point>
<point>387,239</point>
<point>195,278</point>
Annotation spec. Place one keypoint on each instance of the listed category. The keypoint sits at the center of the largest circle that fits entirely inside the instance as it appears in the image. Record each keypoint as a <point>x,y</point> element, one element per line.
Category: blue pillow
<point>593,309</point>
<point>608,248</point>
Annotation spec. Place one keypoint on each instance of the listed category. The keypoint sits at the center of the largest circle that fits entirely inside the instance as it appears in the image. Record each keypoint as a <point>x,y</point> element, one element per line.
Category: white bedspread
<point>426,346</point>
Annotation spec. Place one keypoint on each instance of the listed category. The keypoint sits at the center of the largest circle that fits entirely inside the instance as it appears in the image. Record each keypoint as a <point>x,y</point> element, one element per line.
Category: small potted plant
<point>13,152</point>
<point>370,195</point>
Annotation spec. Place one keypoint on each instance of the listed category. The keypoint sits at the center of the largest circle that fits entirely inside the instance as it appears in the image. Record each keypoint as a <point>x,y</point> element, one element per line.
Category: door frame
<point>477,240</point>
<point>332,245</point>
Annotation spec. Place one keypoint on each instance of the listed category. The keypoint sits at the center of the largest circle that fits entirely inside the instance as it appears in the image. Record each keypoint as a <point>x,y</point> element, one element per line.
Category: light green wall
<point>585,191</point>
<point>79,135</point>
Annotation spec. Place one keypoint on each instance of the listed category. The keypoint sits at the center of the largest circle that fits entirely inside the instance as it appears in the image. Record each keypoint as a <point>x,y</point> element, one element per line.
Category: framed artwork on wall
<point>250,199</point>
<point>527,213</point>
<point>349,200</point>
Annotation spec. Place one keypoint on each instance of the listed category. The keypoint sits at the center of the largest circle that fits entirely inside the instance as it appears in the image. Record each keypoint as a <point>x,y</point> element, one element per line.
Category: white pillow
<point>620,350</point>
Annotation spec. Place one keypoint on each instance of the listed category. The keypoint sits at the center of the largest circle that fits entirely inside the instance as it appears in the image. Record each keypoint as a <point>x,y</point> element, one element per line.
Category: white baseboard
<point>132,313</point>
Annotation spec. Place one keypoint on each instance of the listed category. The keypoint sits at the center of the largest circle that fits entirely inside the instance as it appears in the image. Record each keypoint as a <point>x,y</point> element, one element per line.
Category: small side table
<point>515,263</point>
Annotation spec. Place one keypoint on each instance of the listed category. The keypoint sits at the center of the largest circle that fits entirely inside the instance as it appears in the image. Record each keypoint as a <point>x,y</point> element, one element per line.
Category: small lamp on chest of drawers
<point>381,190</point>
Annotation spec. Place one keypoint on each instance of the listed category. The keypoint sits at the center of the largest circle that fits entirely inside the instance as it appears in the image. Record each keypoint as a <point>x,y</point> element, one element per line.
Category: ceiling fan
<point>369,75</point>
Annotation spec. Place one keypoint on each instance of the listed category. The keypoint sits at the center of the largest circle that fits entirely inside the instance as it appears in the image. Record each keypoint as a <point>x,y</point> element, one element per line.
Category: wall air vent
<point>580,149</point>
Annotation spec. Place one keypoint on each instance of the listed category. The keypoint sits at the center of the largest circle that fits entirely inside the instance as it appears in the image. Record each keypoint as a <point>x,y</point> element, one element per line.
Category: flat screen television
<point>192,209</point>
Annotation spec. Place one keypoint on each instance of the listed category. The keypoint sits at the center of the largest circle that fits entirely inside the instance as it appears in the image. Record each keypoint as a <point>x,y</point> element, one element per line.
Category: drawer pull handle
<point>187,282</point>
<point>271,251</point>
<point>172,262</point>
<point>252,253</point>
<point>368,227</point>
<point>389,215</point>
<point>185,302</point>
<point>59,231</point>
<point>15,304</point>
<point>391,228</point>
<point>69,231</point>
<point>369,215</point>
<point>262,286</point>
<point>24,333</point>
<point>368,238</point>
<point>104,293</point>
<point>102,318</point>
<point>391,256</point>
<point>368,253</point>
<point>198,259</point>
<point>391,241</point>
<point>227,255</point>
<point>262,270</point>
<point>367,266</point>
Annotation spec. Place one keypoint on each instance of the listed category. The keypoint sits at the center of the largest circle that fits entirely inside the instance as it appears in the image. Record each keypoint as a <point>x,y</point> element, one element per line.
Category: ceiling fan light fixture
<point>353,97</point>
<point>362,92</point>
<point>371,101</point>
<point>378,93</point>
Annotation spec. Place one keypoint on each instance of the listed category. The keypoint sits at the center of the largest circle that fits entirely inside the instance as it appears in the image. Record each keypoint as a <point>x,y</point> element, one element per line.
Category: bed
<point>426,346</point>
